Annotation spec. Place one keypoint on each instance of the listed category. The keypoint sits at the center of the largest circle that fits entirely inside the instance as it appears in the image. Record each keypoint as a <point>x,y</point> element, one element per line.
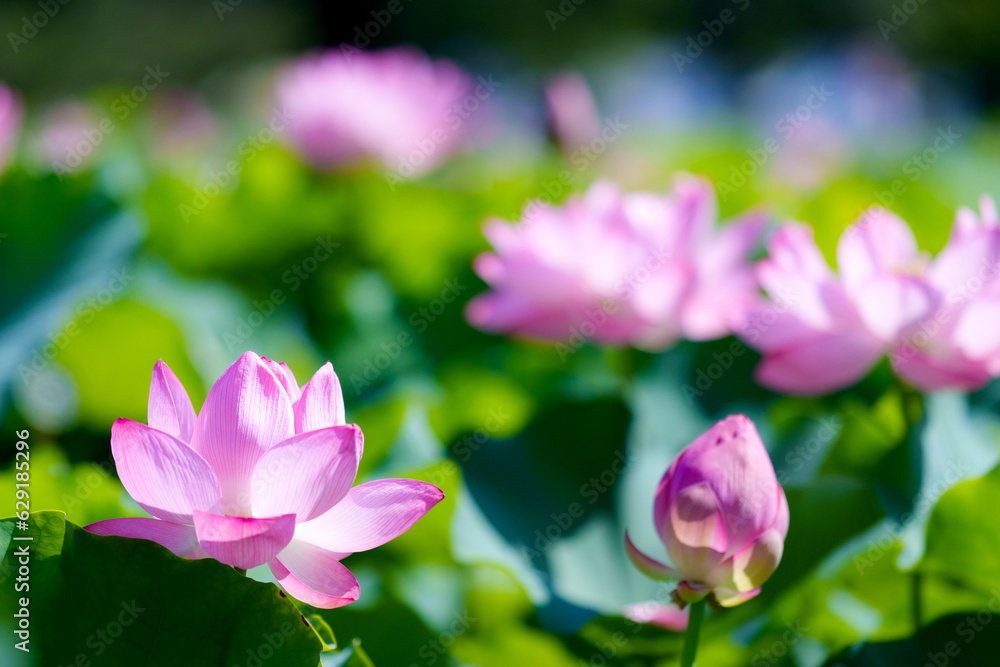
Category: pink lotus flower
<point>398,106</point>
<point>572,112</point>
<point>722,516</point>
<point>11,114</point>
<point>640,268</point>
<point>822,332</point>
<point>262,475</point>
<point>957,346</point>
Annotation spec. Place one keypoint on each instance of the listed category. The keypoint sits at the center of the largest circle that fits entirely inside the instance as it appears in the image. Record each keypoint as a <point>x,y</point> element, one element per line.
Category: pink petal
<point>880,242</point>
<point>967,264</point>
<point>242,542</point>
<point>658,298</point>
<point>179,538</point>
<point>572,112</point>
<point>794,295</point>
<point>322,402</point>
<point>977,331</point>
<point>490,267</point>
<point>936,370</point>
<point>891,304</point>
<point>307,474</point>
<point>715,311</point>
<point>651,567</point>
<point>285,377</point>
<point>769,329</point>
<point>662,498</point>
<point>754,564</point>
<point>511,313</point>
<point>793,249</point>
<point>696,210</point>
<point>783,516</point>
<point>799,282</point>
<point>170,409</point>
<point>733,244</point>
<point>731,598</point>
<point>696,518</point>
<point>370,515</point>
<point>988,211</point>
<point>820,365</point>
<point>246,413</point>
<point>668,616</point>
<point>723,492</point>
<point>315,576</point>
<point>164,475</point>
<point>966,224</point>
<point>695,535</point>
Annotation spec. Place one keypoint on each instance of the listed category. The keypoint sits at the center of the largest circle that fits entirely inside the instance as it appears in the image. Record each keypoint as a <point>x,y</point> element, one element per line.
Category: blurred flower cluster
<point>934,317</point>
<point>636,268</point>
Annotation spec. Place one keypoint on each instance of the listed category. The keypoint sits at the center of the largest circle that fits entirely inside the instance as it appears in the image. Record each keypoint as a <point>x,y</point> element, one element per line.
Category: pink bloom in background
<point>70,137</point>
<point>935,319</point>
<point>572,112</point>
<point>722,516</point>
<point>821,331</point>
<point>397,106</point>
<point>11,114</point>
<point>641,268</point>
<point>263,474</point>
<point>958,346</point>
<point>668,616</point>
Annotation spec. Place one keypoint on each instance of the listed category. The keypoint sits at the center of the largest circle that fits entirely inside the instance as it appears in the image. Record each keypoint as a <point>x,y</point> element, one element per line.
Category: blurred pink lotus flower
<point>11,114</point>
<point>634,269</point>
<point>262,475</point>
<point>668,616</point>
<point>398,106</point>
<point>572,112</point>
<point>958,346</point>
<point>722,516</point>
<point>822,332</point>
<point>70,137</point>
